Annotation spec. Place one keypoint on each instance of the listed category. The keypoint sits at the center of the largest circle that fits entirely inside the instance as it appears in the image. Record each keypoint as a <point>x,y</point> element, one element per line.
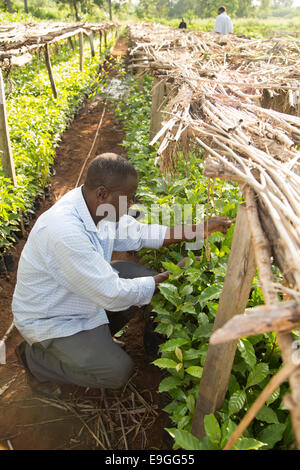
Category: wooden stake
<point>71,43</point>
<point>81,51</point>
<point>91,38</point>
<point>49,68</point>
<point>5,147</point>
<point>158,91</point>
<point>105,39</point>
<point>100,45</point>
<point>234,297</point>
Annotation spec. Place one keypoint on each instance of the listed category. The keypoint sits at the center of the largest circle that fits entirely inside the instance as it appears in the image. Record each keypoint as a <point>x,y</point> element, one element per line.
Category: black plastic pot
<point>47,191</point>
<point>36,205</point>
<point>9,261</point>
<point>2,267</point>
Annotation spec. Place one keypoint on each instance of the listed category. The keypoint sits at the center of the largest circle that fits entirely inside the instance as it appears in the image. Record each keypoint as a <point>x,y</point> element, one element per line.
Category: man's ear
<point>102,194</point>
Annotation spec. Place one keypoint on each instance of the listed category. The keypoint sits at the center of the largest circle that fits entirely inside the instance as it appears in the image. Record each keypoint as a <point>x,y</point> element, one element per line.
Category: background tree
<point>9,6</point>
<point>244,9</point>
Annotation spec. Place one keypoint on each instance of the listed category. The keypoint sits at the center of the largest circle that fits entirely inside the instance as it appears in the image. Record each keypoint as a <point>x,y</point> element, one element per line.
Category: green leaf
<point>212,428</point>
<point>227,429</point>
<point>190,401</point>
<point>247,352</point>
<point>186,290</point>
<point>184,439</point>
<point>212,292</point>
<point>168,383</point>
<point>172,344</point>
<point>178,354</point>
<point>170,292</point>
<point>168,288</point>
<point>267,415</point>
<point>203,331</point>
<point>272,434</point>
<point>247,443</point>
<point>169,330</point>
<point>161,310</point>
<point>236,402</point>
<point>195,371</point>
<point>188,307</point>
<point>257,374</point>
<point>274,396</point>
<point>171,267</point>
<point>165,363</point>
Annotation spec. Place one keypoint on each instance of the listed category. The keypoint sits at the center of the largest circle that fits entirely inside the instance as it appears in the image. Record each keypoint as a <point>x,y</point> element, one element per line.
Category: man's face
<point>114,202</point>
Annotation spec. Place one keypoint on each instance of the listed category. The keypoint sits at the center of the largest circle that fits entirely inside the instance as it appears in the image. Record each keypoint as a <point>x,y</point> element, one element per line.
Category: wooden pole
<point>49,68</point>
<point>81,51</point>
<point>110,10</point>
<point>71,43</point>
<point>91,38</point>
<point>5,147</point>
<point>158,91</point>
<point>105,39</point>
<point>100,45</point>
<point>234,297</point>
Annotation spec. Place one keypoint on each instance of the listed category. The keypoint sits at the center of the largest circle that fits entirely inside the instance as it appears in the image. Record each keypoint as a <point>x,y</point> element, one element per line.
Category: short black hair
<point>109,170</point>
<point>221,9</point>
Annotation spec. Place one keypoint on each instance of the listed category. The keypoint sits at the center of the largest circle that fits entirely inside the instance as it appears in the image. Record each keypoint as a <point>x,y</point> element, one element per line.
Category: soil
<point>26,421</point>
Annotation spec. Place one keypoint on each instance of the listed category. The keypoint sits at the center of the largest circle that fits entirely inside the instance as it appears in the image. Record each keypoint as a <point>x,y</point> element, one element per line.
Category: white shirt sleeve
<point>81,269</point>
<point>132,235</point>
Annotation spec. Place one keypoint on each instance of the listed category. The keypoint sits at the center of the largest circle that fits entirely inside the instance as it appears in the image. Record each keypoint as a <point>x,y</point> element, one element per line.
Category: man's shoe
<point>48,389</point>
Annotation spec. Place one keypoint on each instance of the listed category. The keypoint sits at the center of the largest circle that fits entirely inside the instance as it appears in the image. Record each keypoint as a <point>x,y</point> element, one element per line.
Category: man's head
<point>110,186</point>
<point>221,10</point>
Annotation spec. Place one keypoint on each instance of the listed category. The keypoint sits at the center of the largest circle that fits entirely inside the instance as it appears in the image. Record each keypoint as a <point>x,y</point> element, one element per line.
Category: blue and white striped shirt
<point>65,280</point>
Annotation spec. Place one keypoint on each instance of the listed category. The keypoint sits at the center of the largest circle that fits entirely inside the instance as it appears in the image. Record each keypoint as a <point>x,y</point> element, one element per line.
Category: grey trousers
<point>89,358</point>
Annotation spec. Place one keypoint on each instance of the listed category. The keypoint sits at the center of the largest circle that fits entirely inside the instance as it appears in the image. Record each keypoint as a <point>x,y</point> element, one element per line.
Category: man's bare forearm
<point>184,233</point>
<point>189,232</point>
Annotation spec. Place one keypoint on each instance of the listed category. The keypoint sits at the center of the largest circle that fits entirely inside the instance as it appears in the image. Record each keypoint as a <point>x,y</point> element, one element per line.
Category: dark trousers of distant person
<point>89,358</point>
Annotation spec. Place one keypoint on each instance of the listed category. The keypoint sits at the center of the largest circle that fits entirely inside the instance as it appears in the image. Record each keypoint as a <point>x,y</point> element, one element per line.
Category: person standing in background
<point>182,24</point>
<point>223,23</point>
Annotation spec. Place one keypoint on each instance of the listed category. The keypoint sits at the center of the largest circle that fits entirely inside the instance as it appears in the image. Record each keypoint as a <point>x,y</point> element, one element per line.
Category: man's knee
<point>129,270</point>
<point>121,372</point>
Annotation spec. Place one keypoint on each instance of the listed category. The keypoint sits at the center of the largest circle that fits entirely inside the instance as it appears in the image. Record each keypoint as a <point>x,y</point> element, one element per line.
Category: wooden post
<point>100,45</point>
<point>48,65</point>
<point>91,38</point>
<point>81,50</point>
<point>236,289</point>
<point>105,39</point>
<point>71,43</point>
<point>158,91</point>
<point>5,147</point>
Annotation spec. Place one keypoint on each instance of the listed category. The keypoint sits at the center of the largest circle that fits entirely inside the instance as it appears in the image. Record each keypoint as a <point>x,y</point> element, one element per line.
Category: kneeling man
<point>69,298</point>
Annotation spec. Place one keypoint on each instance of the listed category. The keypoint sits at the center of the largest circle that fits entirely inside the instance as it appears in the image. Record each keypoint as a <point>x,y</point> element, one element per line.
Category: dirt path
<point>27,422</point>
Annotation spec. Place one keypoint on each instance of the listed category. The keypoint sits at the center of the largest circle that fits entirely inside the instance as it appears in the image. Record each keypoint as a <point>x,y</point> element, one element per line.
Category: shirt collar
<point>84,212</point>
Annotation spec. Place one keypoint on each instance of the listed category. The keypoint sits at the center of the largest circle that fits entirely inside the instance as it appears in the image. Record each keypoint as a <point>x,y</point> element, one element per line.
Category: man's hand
<point>181,263</point>
<point>217,224</point>
<point>161,278</point>
<point>165,275</point>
